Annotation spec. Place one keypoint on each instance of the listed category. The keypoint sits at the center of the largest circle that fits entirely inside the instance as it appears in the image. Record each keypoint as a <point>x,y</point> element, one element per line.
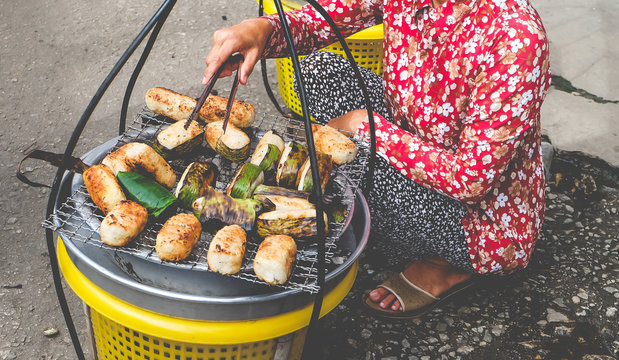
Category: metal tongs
<point>194,114</point>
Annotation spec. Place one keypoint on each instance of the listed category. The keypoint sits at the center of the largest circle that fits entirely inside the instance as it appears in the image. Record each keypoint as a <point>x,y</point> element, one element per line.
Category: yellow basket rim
<point>190,330</point>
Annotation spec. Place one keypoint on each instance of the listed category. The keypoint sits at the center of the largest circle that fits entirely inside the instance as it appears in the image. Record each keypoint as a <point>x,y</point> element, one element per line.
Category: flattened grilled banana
<point>274,259</point>
<point>136,156</point>
<point>103,187</point>
<point>177,237</point>
<point>330,141</point>
<point>226,251</point>
<point>179,107</point>
<point>123,223</point>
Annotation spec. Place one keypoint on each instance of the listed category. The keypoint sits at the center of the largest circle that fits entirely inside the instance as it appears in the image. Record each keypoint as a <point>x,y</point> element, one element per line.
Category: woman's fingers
<point>218,55</point>
<point>248,38</point>
<point>251,58</point>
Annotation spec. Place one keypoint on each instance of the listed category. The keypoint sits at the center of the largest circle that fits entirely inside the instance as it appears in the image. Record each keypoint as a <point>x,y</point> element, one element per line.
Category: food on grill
<point>271,137</point>
<point>330,141</point>
<point>215,205</point>
<point>103,187</point>
<point>198,176</point>
<point>212,133</point>
<point>293,157</point>
<point>169,103</point>
<point>226,251</point>
<point>267,153</point>
<point>179,107</point>
<point>242,113</point>
<point>234,145</point>
<point>175,141</point>
<point>305,181</point>
<point>266,157</point>
<point>274,259</point>
<point>277,190</point>
<point>338,212</point>
<point>245,182</point>
<point>146,192</point>
<point>140,157</point>
<point>123,223</point>
<point>284,202</point>
<point>177,237</point>
<point>297,223</point>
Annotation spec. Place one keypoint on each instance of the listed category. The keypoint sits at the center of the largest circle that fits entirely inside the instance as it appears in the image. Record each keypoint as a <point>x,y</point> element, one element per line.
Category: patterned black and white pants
<point>409,221</point>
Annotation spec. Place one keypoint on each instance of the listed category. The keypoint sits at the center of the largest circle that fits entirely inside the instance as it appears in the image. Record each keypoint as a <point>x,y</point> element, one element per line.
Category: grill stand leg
<point>91,333</point>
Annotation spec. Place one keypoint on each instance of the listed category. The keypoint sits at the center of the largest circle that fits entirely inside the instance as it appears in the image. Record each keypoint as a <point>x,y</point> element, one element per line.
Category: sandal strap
<point>410,296</point>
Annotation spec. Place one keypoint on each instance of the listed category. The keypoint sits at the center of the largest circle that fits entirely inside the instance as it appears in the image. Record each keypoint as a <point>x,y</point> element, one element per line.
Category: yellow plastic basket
<point>122,331</point>
<point>115,341</point>
<point>366,47</point>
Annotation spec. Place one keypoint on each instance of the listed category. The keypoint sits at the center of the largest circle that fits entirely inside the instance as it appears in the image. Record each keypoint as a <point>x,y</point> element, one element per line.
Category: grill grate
<point>79,219</point>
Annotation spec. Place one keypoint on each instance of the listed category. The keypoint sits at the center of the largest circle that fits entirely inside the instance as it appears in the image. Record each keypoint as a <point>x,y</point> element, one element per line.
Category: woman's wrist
<point>260,27</point>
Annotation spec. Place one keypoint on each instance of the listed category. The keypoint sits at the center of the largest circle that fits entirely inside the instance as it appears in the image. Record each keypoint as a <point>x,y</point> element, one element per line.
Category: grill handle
<point>73,165</point>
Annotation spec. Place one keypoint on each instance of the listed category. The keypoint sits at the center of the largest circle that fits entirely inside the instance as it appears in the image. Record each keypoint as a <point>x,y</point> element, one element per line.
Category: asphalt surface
<point>562,306</point>
<point>53,57</point>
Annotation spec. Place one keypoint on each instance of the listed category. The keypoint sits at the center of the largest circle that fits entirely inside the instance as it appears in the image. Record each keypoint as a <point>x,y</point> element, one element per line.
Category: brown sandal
<point>414,300</point>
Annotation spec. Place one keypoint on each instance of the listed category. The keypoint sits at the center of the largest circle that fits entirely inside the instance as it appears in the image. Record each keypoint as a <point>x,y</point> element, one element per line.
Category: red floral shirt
<point>468,78</point>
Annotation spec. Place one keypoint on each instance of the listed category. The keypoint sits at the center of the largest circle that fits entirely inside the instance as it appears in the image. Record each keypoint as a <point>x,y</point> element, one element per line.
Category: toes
<point>378,294</point>
<point>387,301</point>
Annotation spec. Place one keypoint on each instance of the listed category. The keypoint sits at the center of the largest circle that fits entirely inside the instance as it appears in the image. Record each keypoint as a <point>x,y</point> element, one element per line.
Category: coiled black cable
<point>312,152</point>
<point>138,68</point>
<point>157,18</point>
<point>263,71</point>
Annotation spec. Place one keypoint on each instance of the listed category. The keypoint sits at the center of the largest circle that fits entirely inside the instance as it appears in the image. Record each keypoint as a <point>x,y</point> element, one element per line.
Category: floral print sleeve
<point>310,30</point>
<point>504,102</point>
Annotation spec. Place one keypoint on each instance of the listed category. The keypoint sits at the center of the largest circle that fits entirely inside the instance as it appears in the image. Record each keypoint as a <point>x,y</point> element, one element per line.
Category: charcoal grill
<point>135,273</point>
<point>188,289</point>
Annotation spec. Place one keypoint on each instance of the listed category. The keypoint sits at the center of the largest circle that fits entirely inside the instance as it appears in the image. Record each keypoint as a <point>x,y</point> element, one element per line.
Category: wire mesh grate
<point>79,219</point>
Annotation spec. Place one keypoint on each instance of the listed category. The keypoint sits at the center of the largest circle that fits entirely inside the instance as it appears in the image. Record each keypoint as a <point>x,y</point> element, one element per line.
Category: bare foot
<point>435,276</point>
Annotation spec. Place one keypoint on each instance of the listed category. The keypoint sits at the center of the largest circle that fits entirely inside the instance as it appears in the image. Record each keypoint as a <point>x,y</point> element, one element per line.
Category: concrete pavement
<point>583,50</point>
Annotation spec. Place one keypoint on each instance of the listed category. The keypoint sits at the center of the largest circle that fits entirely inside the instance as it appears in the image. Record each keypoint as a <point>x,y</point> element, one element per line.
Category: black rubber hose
<point>310,142</point>
<point>370,111</point>
<point>49,234</point>
<point>263,70</point>
<point>362,85</point>
<point>138,68</point>
<point>309,137</point>
<point>302,96</point>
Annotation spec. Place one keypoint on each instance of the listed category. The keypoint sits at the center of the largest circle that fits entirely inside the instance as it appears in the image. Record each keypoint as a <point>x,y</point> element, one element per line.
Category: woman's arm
<point>263,37</point>
<point>500,114</point>
<point>311,31</point>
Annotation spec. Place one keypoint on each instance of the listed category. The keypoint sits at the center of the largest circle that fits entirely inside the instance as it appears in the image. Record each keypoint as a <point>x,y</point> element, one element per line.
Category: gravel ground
<point>562,306</point>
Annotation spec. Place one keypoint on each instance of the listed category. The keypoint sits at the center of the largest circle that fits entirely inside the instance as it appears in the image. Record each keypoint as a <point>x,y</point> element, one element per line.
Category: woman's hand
<point>351,121</point>
<point>248,38</point>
